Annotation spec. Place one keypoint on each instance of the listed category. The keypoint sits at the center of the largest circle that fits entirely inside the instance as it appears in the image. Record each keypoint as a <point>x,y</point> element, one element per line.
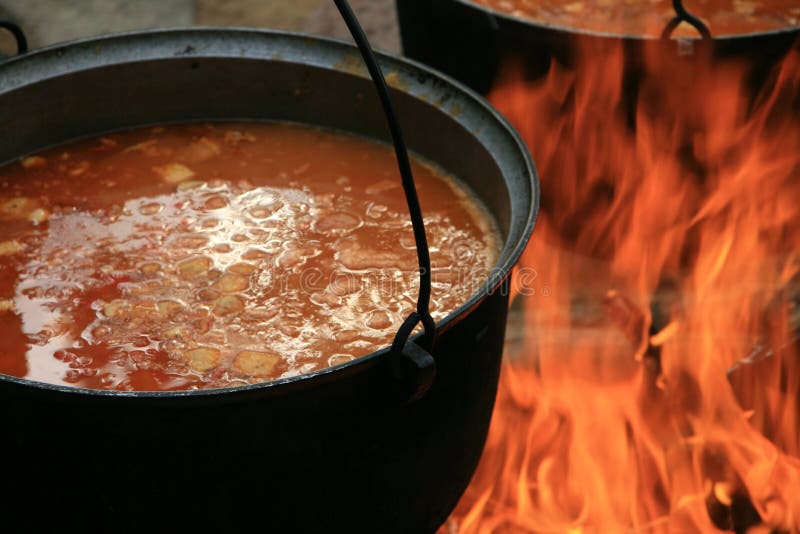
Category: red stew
<point>649,17</point>
<point>201,256</point>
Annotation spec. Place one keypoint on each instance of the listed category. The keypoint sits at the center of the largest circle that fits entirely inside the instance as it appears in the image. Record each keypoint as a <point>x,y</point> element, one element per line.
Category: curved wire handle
<point>683,15</point>
<point>19,35</point>
<point>422,314</point>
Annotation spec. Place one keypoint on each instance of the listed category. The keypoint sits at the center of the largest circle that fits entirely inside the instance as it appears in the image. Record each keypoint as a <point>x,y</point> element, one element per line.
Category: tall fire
<point>657,385</point>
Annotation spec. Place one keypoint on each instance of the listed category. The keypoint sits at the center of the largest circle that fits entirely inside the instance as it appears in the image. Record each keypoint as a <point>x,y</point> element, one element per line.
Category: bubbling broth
<point>203,256</point>
<point>649,17</point>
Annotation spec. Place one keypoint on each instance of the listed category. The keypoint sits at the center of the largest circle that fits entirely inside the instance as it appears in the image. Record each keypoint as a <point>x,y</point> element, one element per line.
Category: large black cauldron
<point>334,451</point>
<point>470,41</point>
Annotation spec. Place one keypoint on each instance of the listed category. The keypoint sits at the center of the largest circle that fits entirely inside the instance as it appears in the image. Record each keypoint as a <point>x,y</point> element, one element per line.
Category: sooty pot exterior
<point>336,451</point>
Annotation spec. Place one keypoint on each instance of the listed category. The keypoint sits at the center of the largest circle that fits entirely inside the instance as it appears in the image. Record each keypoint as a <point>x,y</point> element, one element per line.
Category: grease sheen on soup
<point>201,256</point>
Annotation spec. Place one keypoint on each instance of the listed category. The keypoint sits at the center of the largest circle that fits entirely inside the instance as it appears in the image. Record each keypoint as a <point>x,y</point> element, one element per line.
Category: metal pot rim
<point>415,79</point>
<point>537,24</point>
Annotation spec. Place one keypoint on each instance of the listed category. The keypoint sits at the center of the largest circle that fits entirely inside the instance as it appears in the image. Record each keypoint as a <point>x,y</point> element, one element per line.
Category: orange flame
<point>657,384</point>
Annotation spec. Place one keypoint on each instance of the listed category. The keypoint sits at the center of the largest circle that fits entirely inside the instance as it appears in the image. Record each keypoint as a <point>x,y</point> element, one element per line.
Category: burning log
<point>731,509</point>
<point>766,382</point>
<point>633,322</point>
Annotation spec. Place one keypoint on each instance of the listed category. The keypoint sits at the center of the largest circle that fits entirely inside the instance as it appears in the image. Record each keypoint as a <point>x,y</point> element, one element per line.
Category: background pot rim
<point>541,25</point>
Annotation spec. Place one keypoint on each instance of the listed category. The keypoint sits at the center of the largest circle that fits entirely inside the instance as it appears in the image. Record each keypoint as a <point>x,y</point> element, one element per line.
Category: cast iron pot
<point>339,450</point>
<point>470,41</point>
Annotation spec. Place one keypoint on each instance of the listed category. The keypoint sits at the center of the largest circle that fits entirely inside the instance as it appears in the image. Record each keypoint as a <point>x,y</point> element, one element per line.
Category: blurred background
<point>51,21</point>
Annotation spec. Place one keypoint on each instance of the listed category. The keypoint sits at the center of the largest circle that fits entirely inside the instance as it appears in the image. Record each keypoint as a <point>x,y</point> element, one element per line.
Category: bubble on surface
<point>337,223</point>
<point>376,211</point>
<point>263,211</point>
<point>100,332</point>
<point>150,208</point>
<point>215,202</point>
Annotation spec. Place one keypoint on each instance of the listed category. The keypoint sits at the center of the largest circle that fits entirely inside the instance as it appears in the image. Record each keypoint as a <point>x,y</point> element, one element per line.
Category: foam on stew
<point>201,256</point>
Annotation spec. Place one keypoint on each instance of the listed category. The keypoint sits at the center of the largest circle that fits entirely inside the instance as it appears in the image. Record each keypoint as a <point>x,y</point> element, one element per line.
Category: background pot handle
<point>412,364</point>
<point>19,35</point>
<point>683,15</point>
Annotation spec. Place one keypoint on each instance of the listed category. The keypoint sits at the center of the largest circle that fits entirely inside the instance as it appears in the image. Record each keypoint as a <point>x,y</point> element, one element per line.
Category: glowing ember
<point>658,385</point>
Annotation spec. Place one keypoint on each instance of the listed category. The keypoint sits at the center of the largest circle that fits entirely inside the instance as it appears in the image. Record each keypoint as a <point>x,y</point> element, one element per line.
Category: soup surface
<point>201,256</point>
<point>649,17</point>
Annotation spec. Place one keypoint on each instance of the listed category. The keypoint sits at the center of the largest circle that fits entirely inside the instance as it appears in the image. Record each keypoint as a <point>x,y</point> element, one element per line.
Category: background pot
<point>470,41</point>
<point>337,450</point>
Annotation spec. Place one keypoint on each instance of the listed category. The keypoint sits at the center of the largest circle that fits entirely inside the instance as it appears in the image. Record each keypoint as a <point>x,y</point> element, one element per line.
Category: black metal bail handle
<point>422,314</point>
<point>683,15</point>
<point>19,35</point>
